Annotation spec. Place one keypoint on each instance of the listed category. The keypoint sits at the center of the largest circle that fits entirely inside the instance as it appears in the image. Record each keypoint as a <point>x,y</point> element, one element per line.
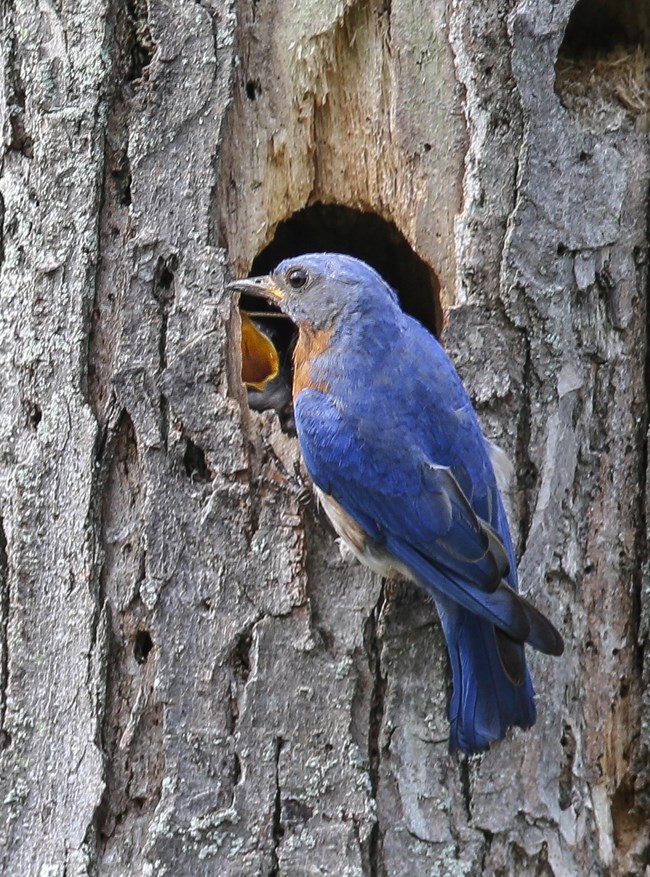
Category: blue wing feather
<point>415,504</point>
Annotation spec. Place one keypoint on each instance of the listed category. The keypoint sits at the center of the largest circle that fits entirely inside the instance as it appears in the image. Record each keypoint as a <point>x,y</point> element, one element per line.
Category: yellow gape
<point>259,358</point>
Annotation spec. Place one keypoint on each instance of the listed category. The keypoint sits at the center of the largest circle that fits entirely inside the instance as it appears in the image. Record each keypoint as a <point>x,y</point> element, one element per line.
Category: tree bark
<point>193,679</point>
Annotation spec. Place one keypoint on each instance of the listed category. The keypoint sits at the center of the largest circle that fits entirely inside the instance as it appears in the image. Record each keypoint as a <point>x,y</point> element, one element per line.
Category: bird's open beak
<point>264,286</point>
<point>259,358</point>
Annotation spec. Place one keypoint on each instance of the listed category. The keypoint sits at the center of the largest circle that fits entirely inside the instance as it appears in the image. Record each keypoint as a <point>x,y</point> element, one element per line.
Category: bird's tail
<point>484,702</point>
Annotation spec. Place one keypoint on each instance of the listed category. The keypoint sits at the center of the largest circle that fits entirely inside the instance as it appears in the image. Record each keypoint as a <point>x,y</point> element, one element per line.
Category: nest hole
<point>196,465</point>
<point>323,228</point>
<point>142,646</point>
<point>602,75</point>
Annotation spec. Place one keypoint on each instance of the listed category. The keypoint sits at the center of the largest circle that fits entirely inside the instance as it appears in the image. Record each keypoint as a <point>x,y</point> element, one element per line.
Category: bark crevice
<point>373,648</point>
<point>526,470</point>
<point>277,830</point>
<point>5,606</point>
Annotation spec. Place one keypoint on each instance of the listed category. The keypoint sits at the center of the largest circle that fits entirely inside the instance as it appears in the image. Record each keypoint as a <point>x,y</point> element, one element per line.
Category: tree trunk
<point>193,680</point>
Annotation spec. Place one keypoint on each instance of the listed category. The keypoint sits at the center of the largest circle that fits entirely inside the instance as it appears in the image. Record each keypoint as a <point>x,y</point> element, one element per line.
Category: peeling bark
<point>193,678</point>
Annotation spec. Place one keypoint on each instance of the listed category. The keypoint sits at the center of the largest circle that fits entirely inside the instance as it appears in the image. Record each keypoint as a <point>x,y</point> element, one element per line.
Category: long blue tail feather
<point>484,701</point>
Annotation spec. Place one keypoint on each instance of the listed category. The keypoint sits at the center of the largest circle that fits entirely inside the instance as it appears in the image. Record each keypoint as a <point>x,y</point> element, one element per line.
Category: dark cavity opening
<point>603,25</point>
<point>603,69</point>
<point>330,228</point>
<point>323,228</point>
<point>196,465</point>
<point>142,645</point>
<point>253,89</point>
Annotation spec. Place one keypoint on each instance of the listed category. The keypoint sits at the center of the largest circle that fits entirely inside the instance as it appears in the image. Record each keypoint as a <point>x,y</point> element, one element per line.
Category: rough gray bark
<point>192,679</point>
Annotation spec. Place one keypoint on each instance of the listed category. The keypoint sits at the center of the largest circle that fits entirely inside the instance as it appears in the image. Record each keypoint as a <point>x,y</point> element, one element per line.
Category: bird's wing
<point>417,509</point>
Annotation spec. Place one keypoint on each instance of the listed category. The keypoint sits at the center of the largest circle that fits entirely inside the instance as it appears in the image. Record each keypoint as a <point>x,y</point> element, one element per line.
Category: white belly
<point>360,544</point>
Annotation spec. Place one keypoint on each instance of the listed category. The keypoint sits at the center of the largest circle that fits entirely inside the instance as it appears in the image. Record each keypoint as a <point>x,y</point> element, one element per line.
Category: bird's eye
<point>297,277</point>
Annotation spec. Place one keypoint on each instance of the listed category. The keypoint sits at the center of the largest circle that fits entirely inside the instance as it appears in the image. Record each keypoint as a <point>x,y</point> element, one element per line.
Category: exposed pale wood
<point>354,104</point>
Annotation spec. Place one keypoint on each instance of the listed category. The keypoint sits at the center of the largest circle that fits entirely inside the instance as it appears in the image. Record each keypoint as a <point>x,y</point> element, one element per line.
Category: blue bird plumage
<point>393,445</point>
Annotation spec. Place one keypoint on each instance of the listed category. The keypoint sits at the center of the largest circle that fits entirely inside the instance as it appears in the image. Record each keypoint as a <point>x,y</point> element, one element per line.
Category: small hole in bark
<point>253,89</point>
<point>568,742</point>
<point>427,147</point>
<point>195,463</point>
<point>142,645</point>
<point>20,139</point>
<point>236,770</point>
<point>240,657</point>
<point>5,740</point>
<point>121,174</point>
<point>165,273</point>
<point>35,416</point>
<point>166,279</point>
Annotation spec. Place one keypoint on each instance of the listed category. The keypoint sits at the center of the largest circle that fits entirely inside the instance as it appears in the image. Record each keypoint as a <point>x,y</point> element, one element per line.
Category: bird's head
<point>318,288</point>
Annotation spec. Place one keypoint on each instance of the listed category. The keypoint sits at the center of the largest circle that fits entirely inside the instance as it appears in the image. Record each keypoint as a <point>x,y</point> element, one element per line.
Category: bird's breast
<point>310,345</point>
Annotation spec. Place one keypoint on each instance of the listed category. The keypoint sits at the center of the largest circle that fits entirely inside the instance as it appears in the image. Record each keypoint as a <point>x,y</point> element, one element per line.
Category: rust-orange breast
<point>309,346</point>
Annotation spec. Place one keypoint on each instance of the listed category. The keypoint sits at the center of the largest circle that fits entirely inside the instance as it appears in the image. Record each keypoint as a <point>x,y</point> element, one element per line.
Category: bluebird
<point>402,469</point>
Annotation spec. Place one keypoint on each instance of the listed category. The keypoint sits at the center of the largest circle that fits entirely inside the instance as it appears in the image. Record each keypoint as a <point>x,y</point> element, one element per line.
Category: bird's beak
<point>264,286</point>
<point>259,358</point>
